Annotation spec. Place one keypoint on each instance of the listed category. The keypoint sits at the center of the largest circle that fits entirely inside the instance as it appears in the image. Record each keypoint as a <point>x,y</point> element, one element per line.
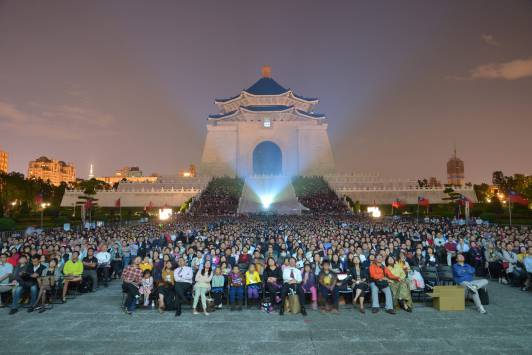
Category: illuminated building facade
<point>4,161</point>
<point>55,171</point>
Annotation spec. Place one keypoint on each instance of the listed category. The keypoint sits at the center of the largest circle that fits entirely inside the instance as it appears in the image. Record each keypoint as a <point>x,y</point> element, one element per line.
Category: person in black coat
<point>272,277</point>
<point>359,277</point>
<point>26,276</point>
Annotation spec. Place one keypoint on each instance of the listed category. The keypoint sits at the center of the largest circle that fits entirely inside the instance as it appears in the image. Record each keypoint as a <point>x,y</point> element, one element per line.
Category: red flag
<point>398,204</point>
<point>516,198</point>
<point>38,199</point>
<point>462,201</point>
<point>88,204</point>
<point>117,203</point>
<point>422,201</point>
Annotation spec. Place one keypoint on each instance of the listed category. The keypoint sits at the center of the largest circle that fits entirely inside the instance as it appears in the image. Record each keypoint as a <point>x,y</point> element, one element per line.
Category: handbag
<point>381,284</point>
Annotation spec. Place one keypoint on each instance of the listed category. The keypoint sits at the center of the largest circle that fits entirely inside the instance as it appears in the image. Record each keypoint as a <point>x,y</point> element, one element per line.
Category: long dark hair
<point>203,268</point>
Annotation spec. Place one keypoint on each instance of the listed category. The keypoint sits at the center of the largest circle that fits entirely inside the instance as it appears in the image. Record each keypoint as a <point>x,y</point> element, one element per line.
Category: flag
<point>38,199</point>
<point>117,203</point>
<point>398,203</point>
<point>422,201</point>
<point>88,204</point>
<point>517,198</point>
<point>463,199</point>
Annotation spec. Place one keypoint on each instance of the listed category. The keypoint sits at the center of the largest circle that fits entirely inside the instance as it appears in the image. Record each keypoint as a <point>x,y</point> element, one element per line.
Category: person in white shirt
<point>104,264</point>
<point>183,283</point>
<point>292,281</point>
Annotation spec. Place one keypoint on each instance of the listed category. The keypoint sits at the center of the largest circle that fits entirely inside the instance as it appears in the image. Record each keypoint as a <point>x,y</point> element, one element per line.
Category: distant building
<point>129,171</point>
<point>455,171</point>
<point>191,172</point>
<point>434,182</point>
<point>56,171</point>
<point>4,162</point>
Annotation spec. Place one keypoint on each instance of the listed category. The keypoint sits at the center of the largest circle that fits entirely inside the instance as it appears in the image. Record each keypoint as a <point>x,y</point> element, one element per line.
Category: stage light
<point>165,214</point>
<point>374,212</point>
<point>266,201</point>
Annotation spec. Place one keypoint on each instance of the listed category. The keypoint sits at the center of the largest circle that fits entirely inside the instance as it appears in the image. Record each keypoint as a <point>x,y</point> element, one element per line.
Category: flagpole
<point>510,208</point>
<point>417,211</point>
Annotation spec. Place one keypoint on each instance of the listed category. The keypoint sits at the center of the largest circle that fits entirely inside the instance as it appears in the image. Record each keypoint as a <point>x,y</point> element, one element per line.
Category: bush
<point>6,224</point>
<point>488,216</point>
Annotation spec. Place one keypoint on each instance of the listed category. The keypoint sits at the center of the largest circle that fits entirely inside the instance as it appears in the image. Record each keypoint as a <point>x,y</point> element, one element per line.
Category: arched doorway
<point>267,159</point>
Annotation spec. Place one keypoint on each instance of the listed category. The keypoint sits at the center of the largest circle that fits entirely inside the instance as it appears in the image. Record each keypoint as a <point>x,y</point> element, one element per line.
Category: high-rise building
<point>56,171</point>
<point>4,162</point>
<point>455,171</point>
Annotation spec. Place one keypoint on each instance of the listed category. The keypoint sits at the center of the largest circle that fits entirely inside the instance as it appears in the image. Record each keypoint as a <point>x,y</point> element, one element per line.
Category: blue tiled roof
<point>225,100</point>
<point>266,86</point>
<point>267,108</point>
<point>222,115</point>
<point>309,114</point>
<point>305,98</point>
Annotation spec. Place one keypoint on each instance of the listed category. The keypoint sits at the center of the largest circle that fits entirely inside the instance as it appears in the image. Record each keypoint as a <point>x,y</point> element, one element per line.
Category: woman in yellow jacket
<point>253,282</point>
<point>400,288</point>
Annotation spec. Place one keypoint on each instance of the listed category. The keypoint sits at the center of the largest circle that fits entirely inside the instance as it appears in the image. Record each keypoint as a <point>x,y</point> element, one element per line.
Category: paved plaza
<point>94,324</point>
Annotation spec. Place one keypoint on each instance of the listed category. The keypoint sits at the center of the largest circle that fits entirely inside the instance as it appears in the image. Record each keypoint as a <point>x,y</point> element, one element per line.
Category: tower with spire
<point>455,170</point>
<point>91,172</point>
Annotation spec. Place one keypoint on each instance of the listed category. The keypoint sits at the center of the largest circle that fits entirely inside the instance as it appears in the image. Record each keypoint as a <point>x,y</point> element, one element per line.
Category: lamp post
<point>43,206</point>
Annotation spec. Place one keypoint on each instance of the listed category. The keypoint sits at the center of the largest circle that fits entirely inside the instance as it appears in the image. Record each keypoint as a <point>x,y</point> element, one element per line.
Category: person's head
<point>53,263</point>
<point>307,267</point>
<point>36,259</point>
<point>326,265</point>
<point>168,265</point>
<point>460,258</point>
<point>251,268</point>
<point>75,256</point>
<point>378,259</point>
<point>90,251</point>
<point>293,262</point>
<point>3,258</point>
<point>181,262</point>
<point>218,271</point>
<point>235,269</point>
<point>271,262</point>
<point>137,260</point>
<point>146,274</point>
<point>206,268</point>
<point>356,260</point>
<point>390,261</point>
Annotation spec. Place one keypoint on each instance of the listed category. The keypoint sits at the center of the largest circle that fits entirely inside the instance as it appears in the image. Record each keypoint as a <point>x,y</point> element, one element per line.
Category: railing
<point>398,188</point>
<point>153,189</point>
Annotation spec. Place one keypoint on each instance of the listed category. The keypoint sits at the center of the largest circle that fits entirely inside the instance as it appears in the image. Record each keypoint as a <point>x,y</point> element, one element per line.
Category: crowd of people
<point>263,261</point>
<point>315,194</point>
<point>220,197</point>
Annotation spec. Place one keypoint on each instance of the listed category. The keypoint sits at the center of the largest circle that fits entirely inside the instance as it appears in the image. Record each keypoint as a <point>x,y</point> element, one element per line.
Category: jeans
<point>131,298</point>
<point>125,261</point>
<point>472,293</point>
<point>253,291</point>
<point>103,272</point>
<point>324,291</point>
<point>91,273</point>
<point>236,293</point>
<point>375,297</point>
<point>17,295</point>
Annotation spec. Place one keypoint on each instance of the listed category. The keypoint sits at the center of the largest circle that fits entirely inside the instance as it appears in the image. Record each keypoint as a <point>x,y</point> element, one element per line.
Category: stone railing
<point>140,190</point>
<point>399,188</point>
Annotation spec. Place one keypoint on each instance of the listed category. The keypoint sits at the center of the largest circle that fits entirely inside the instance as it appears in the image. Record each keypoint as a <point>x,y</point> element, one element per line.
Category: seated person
<point>273,278</point>
<point>327,284</point>
<point>90,263</point>
<point>6,271</point>
<point>50,277</point>
<point>104,264</point>
<point>131,282</point>
<point>72,272</point>
<point>309,284</point>
<point>236,288</point>
<point>292,281</point>
<point>463,275</point>
<point>380,277</point>
<point>253,283</point>
<point>359,278</point>
<point>166,287</point>
<point>26,276</point>
<point>400,288</point>
<point>527,262</point>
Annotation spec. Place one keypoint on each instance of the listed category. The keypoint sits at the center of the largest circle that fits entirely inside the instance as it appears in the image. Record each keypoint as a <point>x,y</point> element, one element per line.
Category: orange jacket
<point>377,272</point>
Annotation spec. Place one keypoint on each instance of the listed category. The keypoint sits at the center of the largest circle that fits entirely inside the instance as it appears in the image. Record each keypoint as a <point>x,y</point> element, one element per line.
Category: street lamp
<point>43,206</point>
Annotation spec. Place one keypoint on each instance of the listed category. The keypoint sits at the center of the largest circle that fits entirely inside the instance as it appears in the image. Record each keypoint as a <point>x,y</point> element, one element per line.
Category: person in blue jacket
<point>464,275</point>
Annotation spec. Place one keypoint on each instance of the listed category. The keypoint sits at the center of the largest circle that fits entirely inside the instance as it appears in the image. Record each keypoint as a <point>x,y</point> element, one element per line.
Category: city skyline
<point>401,85</point>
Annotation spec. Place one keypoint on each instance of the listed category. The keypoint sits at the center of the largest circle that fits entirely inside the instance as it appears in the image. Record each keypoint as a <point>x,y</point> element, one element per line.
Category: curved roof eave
<point>316,116</point>
<point>221,116</point>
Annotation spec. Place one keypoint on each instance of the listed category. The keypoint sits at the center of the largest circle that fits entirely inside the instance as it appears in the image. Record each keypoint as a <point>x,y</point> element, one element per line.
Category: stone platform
<point>94,324</point>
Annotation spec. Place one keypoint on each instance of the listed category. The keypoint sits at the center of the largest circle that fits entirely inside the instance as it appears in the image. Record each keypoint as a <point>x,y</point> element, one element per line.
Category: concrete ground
<point>94,324</point>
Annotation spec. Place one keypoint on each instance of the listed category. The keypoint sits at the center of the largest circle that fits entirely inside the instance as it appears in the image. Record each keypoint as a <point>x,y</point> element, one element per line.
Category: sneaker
<point>13,311</point>
<point>390,311</point>
<point>374,310</point>
<point>219,306</point>
<point>303,311</point>
<point>42,310</point>
<point>195,312</point>
<point>206,313</point>
<point>504,282</point>
<point>482,311</point>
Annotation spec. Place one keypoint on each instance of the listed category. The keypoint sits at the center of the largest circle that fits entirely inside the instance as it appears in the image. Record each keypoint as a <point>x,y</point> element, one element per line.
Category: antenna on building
<point>91,172</point>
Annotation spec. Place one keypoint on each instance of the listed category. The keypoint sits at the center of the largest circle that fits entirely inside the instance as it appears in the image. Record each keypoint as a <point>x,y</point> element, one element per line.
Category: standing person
<point>379,276</point>
<point>183,283</point>
<point>292,281</point>
<point>463,275</point>
<point>132,279</point>
<point>217,284</point>
<point>202,286</point>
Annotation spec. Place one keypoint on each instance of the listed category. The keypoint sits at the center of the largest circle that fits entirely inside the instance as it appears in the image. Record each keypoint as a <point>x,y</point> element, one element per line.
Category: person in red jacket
<point>379,276</point>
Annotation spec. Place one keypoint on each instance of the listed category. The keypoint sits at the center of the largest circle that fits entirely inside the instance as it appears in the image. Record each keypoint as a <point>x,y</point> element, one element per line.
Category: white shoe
<point>504,282</point>
<point>482,311</point>
<point>219,306</point>
<point>195,312</point>
<point>206,313</point>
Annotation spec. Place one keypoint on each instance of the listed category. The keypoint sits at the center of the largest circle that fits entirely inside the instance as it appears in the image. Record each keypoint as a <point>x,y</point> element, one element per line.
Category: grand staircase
<point>269,194</point>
